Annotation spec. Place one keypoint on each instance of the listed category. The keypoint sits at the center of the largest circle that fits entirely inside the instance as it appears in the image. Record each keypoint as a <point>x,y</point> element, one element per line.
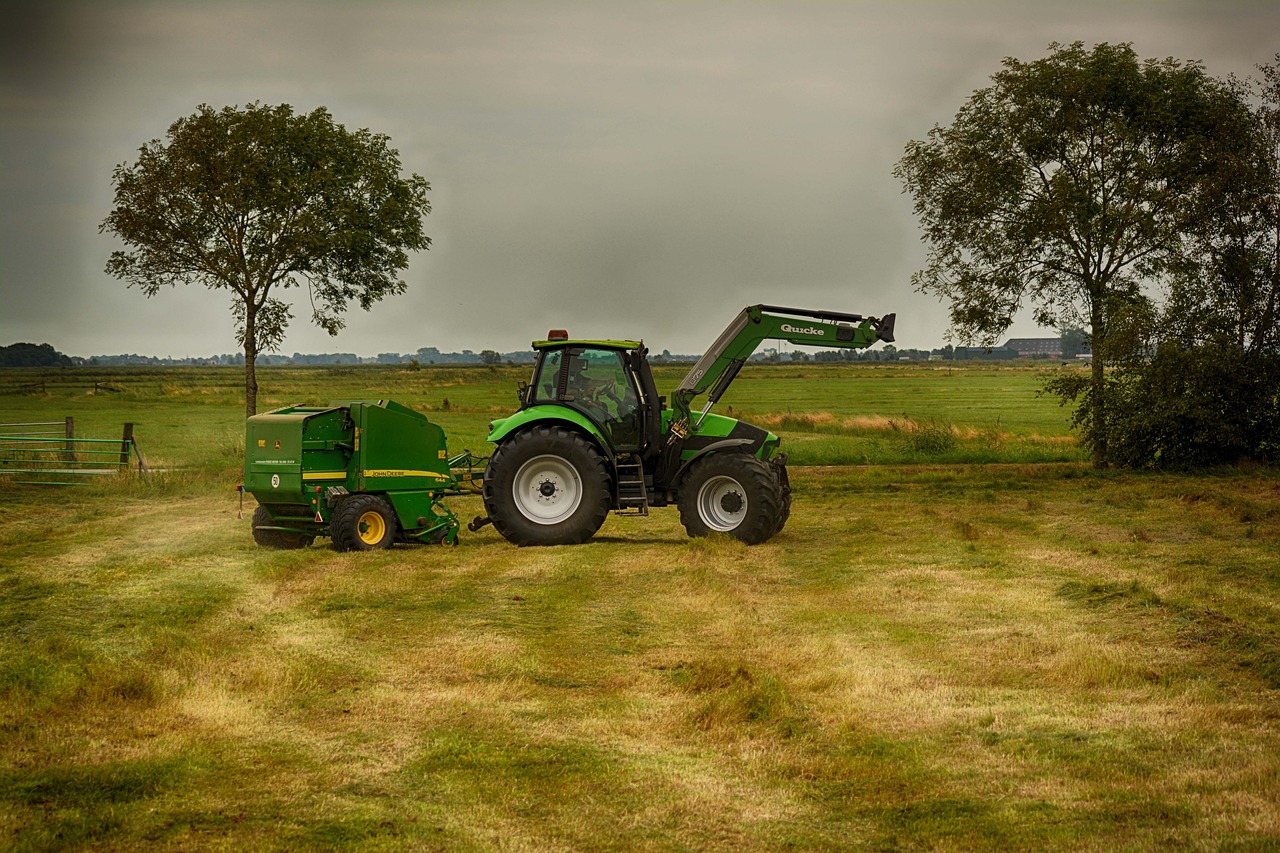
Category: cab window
<point>548,377</point>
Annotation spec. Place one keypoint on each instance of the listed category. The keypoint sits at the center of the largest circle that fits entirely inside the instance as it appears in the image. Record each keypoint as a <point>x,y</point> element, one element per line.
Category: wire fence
<point>43,387</point>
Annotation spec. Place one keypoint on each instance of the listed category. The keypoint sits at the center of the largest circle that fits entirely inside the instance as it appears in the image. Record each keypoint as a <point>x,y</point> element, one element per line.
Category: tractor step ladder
<point>633,496</point>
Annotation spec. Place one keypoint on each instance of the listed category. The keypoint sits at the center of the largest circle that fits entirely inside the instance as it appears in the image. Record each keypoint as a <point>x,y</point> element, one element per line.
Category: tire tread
<point>568,444</point>
<point>344,527</point>
<point>764,498</point>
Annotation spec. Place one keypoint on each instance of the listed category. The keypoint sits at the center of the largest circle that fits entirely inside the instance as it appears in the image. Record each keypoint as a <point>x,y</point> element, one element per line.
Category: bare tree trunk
<point>250,383</point>
<point>1099,403</point>
<point>1097,396</point>
<point>250,357</point>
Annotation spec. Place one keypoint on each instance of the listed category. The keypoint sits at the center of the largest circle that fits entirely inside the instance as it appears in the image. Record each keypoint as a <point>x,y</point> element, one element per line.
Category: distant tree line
<point>44,355</point>
<point>33,355</point>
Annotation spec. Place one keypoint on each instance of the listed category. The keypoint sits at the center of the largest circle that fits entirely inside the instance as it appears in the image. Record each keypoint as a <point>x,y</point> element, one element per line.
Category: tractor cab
<point>607,382</point>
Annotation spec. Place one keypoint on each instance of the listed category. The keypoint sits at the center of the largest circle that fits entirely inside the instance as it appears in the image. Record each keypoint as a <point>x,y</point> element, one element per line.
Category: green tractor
<point>592,436</point>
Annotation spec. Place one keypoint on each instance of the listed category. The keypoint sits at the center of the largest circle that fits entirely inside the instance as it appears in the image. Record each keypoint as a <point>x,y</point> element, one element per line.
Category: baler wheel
<point>363,523</point>
<point>276,538</point>
<point>731,493</point>
<point>547,486</point>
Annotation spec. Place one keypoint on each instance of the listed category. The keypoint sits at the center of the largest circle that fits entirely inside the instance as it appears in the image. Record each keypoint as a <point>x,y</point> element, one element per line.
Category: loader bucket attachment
<point>885,330</point>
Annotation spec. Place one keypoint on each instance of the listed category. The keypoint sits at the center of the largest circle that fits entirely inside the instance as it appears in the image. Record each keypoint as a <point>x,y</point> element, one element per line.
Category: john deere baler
<point>364,473</point>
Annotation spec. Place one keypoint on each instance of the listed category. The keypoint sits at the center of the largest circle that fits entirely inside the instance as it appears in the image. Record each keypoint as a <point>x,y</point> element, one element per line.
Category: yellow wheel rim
<point>372,528</point>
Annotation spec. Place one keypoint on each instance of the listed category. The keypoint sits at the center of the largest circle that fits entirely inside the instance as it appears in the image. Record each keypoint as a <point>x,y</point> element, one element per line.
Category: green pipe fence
<point>29,451</point>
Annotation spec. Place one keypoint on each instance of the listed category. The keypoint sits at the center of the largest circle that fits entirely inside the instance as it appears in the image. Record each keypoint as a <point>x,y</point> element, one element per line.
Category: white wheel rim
<point>722,503</point>
<point>547,489</point>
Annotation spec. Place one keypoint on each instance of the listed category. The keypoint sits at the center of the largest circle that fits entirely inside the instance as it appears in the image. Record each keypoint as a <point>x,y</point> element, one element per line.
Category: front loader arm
<point>716,370</point>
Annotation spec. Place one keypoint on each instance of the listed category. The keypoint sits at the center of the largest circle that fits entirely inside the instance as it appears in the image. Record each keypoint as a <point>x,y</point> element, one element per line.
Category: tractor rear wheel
<point>547,486</point>
<point>363,523</point>
<point>276,538</point>
<point>731,493</point>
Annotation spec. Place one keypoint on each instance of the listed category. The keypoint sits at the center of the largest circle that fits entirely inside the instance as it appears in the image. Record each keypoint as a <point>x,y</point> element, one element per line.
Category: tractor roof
<point>562,342</point>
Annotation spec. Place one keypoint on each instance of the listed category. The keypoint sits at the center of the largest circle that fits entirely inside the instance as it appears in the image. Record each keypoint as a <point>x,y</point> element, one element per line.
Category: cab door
<point>597,383</point>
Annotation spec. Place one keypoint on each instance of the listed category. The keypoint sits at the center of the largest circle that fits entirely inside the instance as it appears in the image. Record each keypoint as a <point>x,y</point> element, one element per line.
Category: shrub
<point>1188,406</point>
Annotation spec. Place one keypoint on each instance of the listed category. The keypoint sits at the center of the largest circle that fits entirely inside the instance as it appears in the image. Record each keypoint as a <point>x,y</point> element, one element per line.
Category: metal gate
<point>49,454</point>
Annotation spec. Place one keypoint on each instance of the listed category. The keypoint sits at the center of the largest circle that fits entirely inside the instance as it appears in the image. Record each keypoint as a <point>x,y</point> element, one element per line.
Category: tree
<point>1230,288</point>
<point>1075,341</point>
<point>1195,404</point>
<point>32,355</point>
<point>259,200</point>
<point>1064,187</point>
<point>1209,393</point>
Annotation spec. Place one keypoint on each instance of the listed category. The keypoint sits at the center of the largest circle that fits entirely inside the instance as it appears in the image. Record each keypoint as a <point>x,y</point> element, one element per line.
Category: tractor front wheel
<point>275,538</point>
<point>784,485</point>
<point>731,493</point>
<point>547,486</point>
<point>363,523</point>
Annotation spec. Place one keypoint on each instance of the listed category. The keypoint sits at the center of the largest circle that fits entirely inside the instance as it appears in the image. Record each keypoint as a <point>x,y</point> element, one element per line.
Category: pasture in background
<point>826,414</point>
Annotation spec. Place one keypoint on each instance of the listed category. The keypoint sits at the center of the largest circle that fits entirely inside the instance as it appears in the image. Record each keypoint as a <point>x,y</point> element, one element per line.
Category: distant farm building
<point>985,353</point>
<point>1030,347</point>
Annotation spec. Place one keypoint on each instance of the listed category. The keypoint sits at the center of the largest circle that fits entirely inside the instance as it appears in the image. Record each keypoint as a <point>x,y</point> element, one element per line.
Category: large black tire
<point>276,538</point>
<point>363,523</point>
<point>784,485</point>
<point>547,486</point>
<point>732,493</point>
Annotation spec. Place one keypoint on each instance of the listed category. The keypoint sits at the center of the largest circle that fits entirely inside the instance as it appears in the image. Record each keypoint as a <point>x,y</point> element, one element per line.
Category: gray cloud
<point>640,169</point>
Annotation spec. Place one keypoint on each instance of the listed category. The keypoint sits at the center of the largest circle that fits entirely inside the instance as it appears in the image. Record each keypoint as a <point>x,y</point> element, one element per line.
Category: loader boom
<point>718,367</point>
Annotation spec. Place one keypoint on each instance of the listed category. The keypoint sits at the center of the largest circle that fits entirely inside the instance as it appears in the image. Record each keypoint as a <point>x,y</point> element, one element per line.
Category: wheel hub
<point>731,503</point>
<point>721,503</point>
<point>547,489</point>
<point>371,528</point>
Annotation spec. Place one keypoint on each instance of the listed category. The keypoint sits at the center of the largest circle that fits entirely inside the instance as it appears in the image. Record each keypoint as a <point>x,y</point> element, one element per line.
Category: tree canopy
<point>1205,389</point>
<point>32,355</point>
<point>259,199</point>
<point>1068,187</point>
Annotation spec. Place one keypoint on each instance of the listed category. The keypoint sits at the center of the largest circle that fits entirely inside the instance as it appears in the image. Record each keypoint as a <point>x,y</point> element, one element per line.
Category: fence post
<point>126,444</point>
<point>70,454</point>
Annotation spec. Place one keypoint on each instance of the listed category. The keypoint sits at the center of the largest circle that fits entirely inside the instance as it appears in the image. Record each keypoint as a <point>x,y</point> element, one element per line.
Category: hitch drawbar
<point>478,522</point>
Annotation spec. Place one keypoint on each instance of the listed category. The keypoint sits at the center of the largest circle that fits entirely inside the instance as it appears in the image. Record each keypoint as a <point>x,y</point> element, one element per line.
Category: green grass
<point>825,414</point>
<point>929,656</point>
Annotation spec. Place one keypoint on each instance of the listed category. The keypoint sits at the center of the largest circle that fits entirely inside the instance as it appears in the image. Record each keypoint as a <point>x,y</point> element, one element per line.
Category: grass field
<point>932,655</point>
<point>826,414</point>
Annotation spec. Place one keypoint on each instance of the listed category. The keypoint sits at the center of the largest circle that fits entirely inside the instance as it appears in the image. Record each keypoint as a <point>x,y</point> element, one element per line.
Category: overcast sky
<point>620,169</point>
